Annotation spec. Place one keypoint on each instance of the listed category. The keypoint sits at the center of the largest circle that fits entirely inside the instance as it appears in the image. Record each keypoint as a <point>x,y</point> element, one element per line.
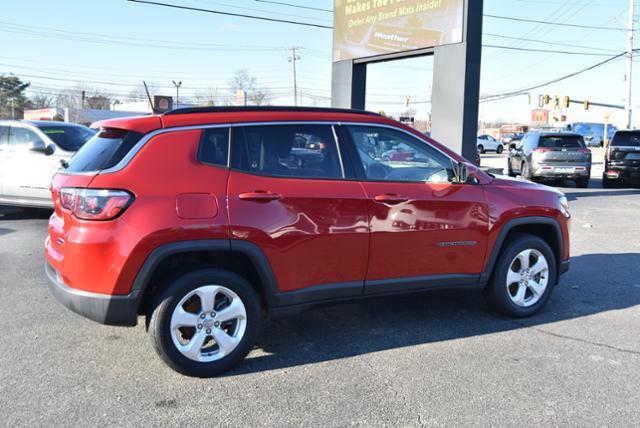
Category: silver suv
<point>30,153</point>
<point>551,156</point>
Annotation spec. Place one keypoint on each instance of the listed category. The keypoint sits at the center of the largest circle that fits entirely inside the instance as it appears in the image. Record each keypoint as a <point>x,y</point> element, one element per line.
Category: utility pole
<point>13,108</point>
<point>292,59</point>
<point>629,105</point>
<point>177,85</point>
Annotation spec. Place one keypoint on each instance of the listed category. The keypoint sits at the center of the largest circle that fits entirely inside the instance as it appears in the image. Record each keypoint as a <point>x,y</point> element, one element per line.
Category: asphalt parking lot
<point>436,359</point>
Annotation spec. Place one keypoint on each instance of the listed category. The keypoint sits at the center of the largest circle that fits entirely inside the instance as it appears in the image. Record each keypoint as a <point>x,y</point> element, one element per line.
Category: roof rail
<point>233,109</point>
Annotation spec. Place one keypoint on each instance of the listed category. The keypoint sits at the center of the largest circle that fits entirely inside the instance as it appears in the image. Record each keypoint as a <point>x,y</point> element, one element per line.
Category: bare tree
<point>242,81</point>
<point>139,94</point>
<point>41,100</point>
<point>210,97</point>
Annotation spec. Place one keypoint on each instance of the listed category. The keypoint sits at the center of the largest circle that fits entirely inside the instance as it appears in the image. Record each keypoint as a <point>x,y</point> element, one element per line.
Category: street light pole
<point>292,59</point>
<point>177,85</point>
<point>629,105</point>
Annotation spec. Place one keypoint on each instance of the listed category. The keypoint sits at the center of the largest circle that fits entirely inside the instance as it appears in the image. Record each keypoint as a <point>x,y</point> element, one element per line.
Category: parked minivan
<point>206,220</point>
<point>30,153</point>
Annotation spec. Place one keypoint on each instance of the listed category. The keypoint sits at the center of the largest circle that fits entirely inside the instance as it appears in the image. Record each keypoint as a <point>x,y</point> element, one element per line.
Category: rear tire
<point>510,172</point>
<point>582,183</point>
<point>514,289</point>
<point>215,316</point>
<point>525,172</point>
<point>481,149</point>
<point>499,149</point>
<point>608,183</point>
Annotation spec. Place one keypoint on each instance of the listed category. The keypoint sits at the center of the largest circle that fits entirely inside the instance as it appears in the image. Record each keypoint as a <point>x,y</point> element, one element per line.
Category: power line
<point>544,42</point>
<point>561,24</point>
<point>239,15</point>
<point>510,94</point>
<point>514,48</point>
<point>295,5</point>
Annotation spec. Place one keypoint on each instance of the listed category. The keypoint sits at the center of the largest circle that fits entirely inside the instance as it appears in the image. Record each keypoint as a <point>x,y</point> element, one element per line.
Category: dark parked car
<point>622,160</point>
<point>552,156</point>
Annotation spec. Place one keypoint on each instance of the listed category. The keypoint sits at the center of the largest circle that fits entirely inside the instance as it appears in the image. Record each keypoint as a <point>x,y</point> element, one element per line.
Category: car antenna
<point>146,89</point>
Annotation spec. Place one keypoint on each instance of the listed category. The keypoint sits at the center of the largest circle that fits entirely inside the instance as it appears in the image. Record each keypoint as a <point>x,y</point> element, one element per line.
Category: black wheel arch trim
<point>526,221</point>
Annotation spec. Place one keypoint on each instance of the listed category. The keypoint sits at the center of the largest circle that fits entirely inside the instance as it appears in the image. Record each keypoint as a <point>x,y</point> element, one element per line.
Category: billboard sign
<point>367,28</point>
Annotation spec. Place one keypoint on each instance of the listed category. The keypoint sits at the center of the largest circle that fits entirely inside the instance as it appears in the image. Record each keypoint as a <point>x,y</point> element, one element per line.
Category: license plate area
<point>564,169</point>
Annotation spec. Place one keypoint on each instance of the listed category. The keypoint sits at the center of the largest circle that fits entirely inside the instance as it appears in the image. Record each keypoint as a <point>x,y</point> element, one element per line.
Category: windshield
<point>68,138</point>
<point>628,139</point>
<point>562,141</point>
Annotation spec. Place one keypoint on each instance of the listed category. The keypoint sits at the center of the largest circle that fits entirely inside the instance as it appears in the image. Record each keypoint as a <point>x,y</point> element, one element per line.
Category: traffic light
<point>565,102</point>
<point>547,99</point>
<point>586,104</point>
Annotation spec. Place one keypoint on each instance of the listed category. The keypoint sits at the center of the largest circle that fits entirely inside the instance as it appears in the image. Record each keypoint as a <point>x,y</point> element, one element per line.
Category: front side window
<point>302,151</point>
<point>391,155</point>
<point>21,137</point>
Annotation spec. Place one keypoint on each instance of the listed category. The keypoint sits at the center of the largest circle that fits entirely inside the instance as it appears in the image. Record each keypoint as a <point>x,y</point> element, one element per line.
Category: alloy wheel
<point>527,278</point>
<point>208,323</point>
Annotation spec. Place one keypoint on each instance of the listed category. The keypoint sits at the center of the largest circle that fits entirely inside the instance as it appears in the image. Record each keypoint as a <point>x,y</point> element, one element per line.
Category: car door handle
<point>259,196</point>
<point>391,198</point>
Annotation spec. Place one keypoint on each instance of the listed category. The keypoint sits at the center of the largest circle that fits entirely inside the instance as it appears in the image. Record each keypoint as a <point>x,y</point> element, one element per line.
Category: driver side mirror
<point>460,173</point>
<point>41,147</point>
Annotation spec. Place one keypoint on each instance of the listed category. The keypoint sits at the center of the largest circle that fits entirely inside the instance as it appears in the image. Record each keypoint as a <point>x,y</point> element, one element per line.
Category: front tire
<point>205,322</point>
<point>481,149</point>
<point>523,277</point>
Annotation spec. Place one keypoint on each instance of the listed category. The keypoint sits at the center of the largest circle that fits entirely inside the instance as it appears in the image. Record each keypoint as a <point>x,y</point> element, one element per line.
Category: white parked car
<point>486,143</point>
<point>30,153</point>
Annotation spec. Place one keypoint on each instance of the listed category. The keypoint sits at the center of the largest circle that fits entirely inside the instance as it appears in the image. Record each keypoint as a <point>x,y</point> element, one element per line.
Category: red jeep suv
<point>205,220</point>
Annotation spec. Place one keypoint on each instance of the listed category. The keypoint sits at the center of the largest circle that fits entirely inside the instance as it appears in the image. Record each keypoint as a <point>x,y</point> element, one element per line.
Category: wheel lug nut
<point>217,324</point>
<point>199,326</point>
<point>208,331</point>
<point>213,314</point>
<point>202,316</point>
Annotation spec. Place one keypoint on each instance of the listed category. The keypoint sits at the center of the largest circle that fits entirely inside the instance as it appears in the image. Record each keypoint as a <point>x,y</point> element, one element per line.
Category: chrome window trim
<point>333,123</point>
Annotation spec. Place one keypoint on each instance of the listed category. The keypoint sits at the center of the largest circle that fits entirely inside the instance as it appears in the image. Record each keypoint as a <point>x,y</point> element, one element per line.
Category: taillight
<point>541,150</point>
<point>95,204</point>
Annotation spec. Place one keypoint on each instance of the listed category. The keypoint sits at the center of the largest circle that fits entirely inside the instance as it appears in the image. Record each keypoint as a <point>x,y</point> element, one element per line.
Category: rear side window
<point>561,142</point>
<point>629,139</point>
<point>214,146</point>
<point>303,151</point>
<point>104,150</point>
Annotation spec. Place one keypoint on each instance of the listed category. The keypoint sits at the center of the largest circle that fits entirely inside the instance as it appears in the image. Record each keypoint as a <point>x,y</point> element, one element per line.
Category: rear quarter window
<point>104,150</point>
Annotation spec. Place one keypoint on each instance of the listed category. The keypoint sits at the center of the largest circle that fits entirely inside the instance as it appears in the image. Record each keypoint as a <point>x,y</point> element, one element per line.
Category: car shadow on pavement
<point>11,213</point>
<point>595,284</point>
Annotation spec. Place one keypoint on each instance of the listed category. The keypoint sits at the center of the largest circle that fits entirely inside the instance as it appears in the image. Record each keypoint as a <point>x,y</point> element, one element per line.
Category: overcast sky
<point>114,44</point>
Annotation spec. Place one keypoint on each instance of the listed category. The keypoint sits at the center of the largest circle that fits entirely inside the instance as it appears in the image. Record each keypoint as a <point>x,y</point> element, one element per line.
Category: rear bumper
<point>102,308</point>
<point>623,171</point>
<point>559,171</point>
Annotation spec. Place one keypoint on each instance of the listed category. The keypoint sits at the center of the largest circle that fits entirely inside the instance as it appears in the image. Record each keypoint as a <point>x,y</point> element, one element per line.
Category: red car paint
<point>312,231</point>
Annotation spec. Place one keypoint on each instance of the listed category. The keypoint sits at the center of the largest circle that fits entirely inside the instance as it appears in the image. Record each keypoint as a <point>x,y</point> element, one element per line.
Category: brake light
<point>541,150</point>
<point>95,204</point>
<point>584,150</point>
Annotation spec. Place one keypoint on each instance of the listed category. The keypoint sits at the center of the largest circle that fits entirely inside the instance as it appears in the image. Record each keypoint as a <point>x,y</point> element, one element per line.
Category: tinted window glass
<point>21,137</point>
<point>214,146</point>
<point>4,134</point>
<point>390,155</point>
<point>561,141</point>
<point>68,138</point>
<point>104,150</point>
<point>631,139</point>
<point>306,151</point>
